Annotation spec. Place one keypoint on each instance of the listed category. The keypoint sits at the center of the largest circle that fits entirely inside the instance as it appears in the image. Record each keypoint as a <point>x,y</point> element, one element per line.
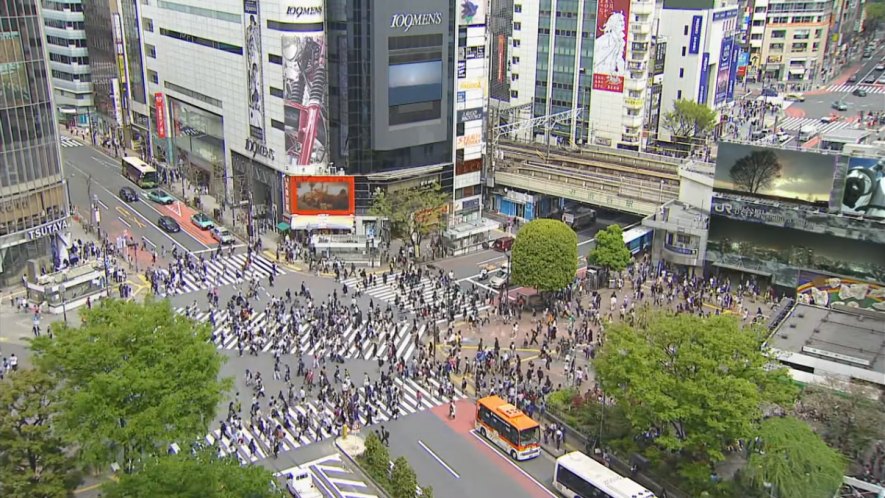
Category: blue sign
<point>744,59</point>
<point>725,14</point>
<point>705,74</point>
<point>732,72</point>
<point>723,70</point>
<point>694,40</point>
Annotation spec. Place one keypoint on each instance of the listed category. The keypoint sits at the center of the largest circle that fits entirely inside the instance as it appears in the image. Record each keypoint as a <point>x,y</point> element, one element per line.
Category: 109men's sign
<point>408,21</point>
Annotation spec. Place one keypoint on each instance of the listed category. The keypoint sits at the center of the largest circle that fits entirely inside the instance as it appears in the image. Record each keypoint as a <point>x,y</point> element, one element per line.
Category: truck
<point>807,132</point>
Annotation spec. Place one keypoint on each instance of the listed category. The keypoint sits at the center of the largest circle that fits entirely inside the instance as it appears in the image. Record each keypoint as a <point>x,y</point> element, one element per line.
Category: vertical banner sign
<point>610,49</point>
<point>705,75</point>
<point>160,104</point>
<point>694,40</point>
<point>732,71</point>
<point>501,50</point>
<point>722,70</point>
<point>254,69</point>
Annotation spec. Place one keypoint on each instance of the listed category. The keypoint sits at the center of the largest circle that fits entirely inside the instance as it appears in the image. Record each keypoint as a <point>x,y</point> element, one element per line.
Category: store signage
<point>159,103</point>
<point>462,97</point>
<point>470,205</point>
<point>408,21</point>
<point>719,16</point>
<point>258,148</point>
<point>476,52</point>
<point>462,69</point>
<point>633,101</point>
<point>470,115</point>
<point>297,11</point>
<point>705,74</point>
<point>48,229</point>
<point>469,140</point>
<point>694,41</point>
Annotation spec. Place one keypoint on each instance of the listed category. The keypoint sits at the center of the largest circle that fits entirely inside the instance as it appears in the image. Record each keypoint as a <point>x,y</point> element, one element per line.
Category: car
<point>758,135</point>
<point>867,55</point>
<point>829,119</point>
<point>853,78</point>
<point>839,106</point>
<point>882,80</point>
<point>870,79</point>
<point>128,194</point>
<point>796,97</point>
<point>201,221</point>
<point>168,224</point>
<point>859,92</point>
<point>499,279</point>
<point>784,137</point>
<point>769,92</point>
<point>160,197</point>
<point>222,235</point>
<point>503,244</point>
<point>880,66</point>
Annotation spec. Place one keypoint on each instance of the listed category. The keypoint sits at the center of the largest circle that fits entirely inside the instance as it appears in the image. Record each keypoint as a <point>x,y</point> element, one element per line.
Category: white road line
<point>438,459</point>
<point>492,259</point>
<point>508,460</point>
<point>124,221</point>
<point>147,241</point>
<point>102,204</point>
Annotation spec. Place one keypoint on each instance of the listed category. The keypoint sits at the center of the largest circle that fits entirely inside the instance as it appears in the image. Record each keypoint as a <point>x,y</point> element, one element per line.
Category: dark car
<point>128,194</point>
<point>168,224</point>
<point>503,244</point>
<point>859,92</point>
<point>769,92</point>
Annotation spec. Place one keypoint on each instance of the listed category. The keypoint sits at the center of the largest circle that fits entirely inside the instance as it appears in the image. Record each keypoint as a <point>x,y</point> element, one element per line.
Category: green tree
<point>413,213</point>
<point>875,16</point>
<point>200,475</point>
<point>671,371</point>
<point>403,481</point>
<point>610,252</point>
<point>544,255</point>
<point>793,462</point>
<point>133,378</point>
<point>377,457</point>
<point>755,171</point>
<point>689,120</point>
<point>33,463</point>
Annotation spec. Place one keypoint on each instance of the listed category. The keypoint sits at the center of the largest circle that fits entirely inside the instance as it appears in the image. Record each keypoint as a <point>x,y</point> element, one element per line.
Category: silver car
<point>222,235</point>
<point>499,279</point>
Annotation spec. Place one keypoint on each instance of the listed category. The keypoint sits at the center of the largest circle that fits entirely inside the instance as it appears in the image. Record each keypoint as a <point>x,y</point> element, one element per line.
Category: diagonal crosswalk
<point>220,271</point>
<point>791,123</point>
<point>869,87</point>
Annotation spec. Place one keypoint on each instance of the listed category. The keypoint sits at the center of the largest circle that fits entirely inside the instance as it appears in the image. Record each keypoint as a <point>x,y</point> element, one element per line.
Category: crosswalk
<point>221,271</point>
<point>410,402</point>
<point>428,289</point>
<point>358,340</point>
<point>795,123</point>
<point>332,475</point>
<point>870,88</point>
<point>70,142</point>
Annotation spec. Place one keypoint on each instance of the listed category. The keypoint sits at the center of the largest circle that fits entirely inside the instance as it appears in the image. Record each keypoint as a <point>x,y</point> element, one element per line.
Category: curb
<point>365,475</point>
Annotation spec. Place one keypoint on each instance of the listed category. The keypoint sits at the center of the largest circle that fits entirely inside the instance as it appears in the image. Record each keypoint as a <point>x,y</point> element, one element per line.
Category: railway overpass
<point>627,181</point>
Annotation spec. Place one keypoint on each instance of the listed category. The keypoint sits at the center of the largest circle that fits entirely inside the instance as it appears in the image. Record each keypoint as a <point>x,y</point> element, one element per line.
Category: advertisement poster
<point>825,290</point>
<point>863,193</point>
<point>472,12</point>
<point>694,40</point>
<point>161,115</point>
<point>331,195</point>
<point>304,98</point>
<point>722,70</point>
<point>255,74</point>
<point>732,72</point>
<point>610,49</point>
<point>705,75</point>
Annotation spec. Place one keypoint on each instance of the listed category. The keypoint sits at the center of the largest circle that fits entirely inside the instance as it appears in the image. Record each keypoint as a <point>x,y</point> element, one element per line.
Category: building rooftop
<point>681,214</point>
<point>845,337</point>
<point>845,135</point>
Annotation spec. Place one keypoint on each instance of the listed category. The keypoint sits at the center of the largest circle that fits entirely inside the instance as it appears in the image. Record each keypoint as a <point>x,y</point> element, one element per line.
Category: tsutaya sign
<point>48,229</point>
<point>408,21</point>
<point>259,148</point>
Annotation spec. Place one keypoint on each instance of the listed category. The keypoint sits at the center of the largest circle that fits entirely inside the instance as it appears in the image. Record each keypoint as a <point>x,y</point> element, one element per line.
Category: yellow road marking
<point>130,217</point>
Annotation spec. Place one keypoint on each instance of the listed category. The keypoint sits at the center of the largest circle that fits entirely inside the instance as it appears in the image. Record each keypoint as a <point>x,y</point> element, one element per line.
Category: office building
<point>68,60</point>
<point>33,201</point>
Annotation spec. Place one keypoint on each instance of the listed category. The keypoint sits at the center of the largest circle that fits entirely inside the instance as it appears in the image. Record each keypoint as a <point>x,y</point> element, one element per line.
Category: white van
<point>299,481</point>
<point>807,132</point>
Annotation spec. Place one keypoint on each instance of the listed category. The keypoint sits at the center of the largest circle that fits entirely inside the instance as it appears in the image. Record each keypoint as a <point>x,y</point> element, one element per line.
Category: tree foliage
<point>793,462</point>
<point>703,382</point>
<point>133,378</point>
<point>33,463</point>
<point>403,481</point>
<point>199,475</point>
<point>544,255</point>
<point>755,171</point>
<point>376,457</point>
<point>413,213</point>
<point>875,16</point>
<point>610,251</point>
<point>689,120</point>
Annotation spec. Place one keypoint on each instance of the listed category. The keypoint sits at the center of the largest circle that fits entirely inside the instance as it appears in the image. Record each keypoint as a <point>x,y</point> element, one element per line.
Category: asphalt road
<point>817,106</point>
<point>90,171</point>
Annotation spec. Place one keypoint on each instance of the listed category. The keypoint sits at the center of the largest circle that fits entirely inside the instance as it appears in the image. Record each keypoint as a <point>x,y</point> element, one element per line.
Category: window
<point>516,43</point>
<point>514,77</point>
<point>514,60</point>
<point>148,24</point>
<point>517,26</point>
<point>756,36</point>
<point>150,50</point>
<point>274,59</point>
<point>198,40</point>
<point>776,47</point>
<point>278,125</point>
<point>802,34</point>
<point>799,47</point>
<point>581,487</point>
<point>685,30</point>
<point>815,46</point>
<point>517,8</point>
<point>683,51</point>
<point>276,92</point>
<point>514,94</point>
<point>779,33</point>
<point>679,94</point>
<point>681,72</point>
<point>153,76</point>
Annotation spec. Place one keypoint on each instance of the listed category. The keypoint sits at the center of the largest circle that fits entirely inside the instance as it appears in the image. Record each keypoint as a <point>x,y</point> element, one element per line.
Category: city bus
<point>576,474</point>
<point>638,239</point>
<point>139,172</point>
<point>508,427</point>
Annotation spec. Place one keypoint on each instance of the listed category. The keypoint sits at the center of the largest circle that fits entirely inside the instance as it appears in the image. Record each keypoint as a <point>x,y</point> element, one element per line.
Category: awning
<point>321,222</point>
<point>797,70</point>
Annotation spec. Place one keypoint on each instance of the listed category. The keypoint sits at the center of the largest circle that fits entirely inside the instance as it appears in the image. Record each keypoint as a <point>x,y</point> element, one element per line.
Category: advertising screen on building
<point>723,70</point>
<point>472,12</point>
<point>863,192</point>
<point>776,173</point>
<point>414,82</point>
<point>254,71</point>
<point>610,49</point>
<point>823,290</point>
<point>332,195</point>
<point>305,96</point>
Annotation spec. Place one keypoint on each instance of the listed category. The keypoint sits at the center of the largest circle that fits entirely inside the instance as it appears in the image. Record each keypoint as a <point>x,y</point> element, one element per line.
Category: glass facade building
<point>33,204</point>
<point>63,24</point>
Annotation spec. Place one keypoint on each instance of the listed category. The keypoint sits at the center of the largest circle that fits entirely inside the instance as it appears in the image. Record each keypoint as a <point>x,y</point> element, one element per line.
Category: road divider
<point>439,460</point>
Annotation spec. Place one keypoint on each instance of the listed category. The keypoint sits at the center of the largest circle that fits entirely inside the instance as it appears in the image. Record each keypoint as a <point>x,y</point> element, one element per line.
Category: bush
<point>376,459</point>
<point>403,481</point>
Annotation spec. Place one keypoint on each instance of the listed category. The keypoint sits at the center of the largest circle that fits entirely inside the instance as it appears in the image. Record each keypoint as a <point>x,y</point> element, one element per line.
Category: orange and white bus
<point>508,427</point>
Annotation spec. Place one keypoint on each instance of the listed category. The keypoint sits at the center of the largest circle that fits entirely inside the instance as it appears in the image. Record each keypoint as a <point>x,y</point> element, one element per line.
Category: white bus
<point>638,239</point>
<point>579,476</point>
<point>139,172</point>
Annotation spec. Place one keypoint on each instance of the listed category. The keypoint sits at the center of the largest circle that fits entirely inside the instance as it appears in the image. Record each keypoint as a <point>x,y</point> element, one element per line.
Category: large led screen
<point>332,195</point>
<point>415,82</point>
<point>777,173</point>
<point>863,191</point>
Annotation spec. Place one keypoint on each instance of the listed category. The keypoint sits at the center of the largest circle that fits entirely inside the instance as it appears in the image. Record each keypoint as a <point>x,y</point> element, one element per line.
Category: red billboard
<point>332,195</point>
<point>160,104</point>
<point>502,49</point>
<point>610,49</point>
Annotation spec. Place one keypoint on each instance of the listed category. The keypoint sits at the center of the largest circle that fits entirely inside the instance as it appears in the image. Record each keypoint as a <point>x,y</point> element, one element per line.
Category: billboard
<point>694,39</point>
<point>305,98</point>
<point>254,70</point>
<point>312,195</point>
<point>472,12</point>
<point>705,75</point>
<point>777,173</point>
<point>160,104</point>
<point>610,48</point>
<point>723,70</point>
<point>732,72</point>
<point>825,290</point>
<point>863,191</point>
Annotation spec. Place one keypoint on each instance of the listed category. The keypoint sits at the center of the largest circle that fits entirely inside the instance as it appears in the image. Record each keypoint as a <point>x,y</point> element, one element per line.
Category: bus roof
<point>138,163</point>
<point>634,233</point>
<point>508,412</point>
<point>590,470</point>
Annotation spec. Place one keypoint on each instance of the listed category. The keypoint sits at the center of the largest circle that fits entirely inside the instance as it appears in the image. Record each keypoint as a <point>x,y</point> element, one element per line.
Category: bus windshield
<point>528,436</point>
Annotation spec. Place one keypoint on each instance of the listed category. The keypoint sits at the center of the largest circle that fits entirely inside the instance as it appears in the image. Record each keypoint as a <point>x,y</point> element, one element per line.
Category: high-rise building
<point>33,201</point>
<point>68,59</point>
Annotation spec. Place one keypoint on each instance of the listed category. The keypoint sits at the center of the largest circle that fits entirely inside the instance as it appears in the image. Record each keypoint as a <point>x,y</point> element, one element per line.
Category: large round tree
<point>545,255</point>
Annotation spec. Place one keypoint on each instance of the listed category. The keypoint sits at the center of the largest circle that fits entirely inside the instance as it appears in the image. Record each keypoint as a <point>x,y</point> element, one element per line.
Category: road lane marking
<point>492,259</point>
<point>148,241</point>
<point>439,460</point>
<point>102,204</point>
<point>508,460</point>
<point>124,221</point>
<point>125,213</point>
